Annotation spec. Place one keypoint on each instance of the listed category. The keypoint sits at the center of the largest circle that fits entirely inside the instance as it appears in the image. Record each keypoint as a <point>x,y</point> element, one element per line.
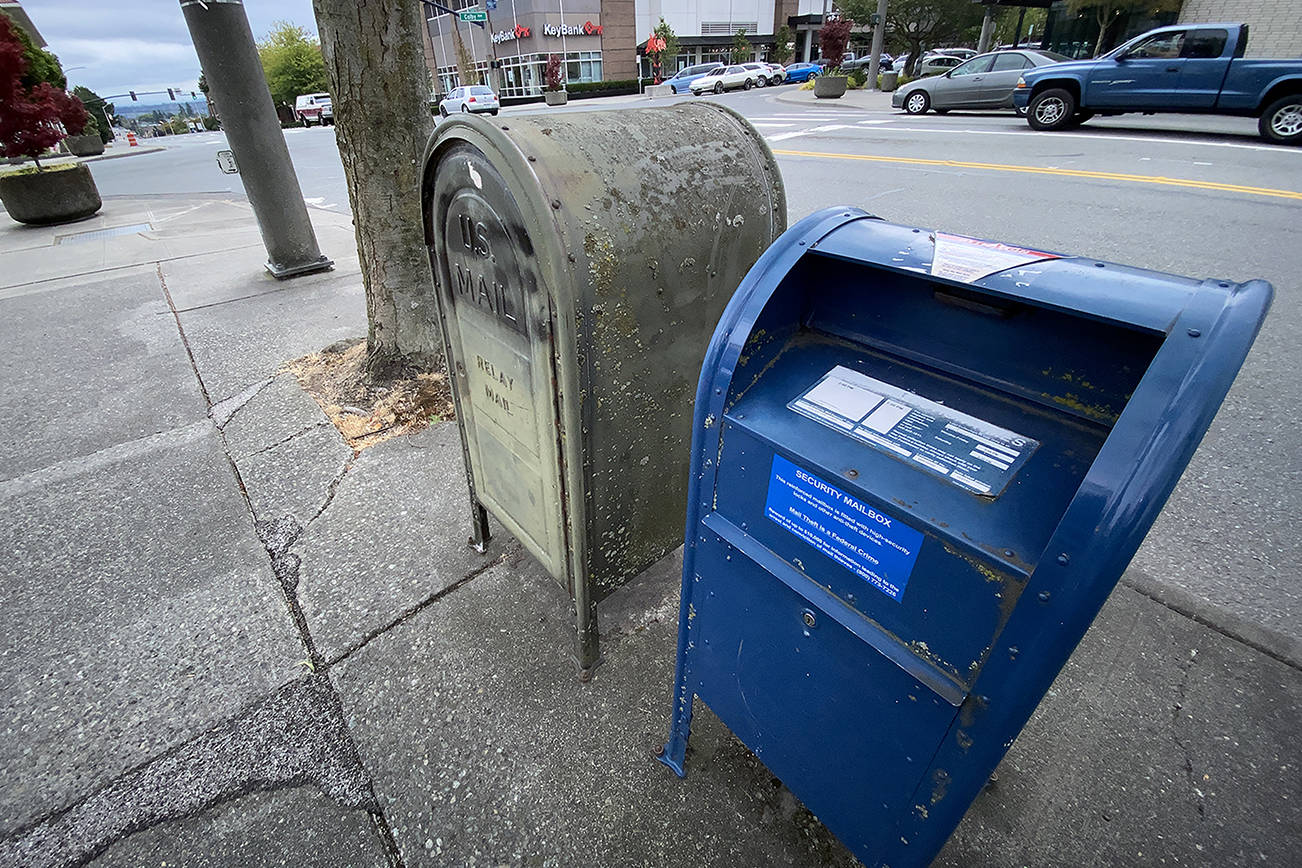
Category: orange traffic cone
<point>131,140</point>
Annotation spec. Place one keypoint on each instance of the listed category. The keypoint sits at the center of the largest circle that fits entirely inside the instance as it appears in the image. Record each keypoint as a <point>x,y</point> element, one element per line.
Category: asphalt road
<point>1195,196</point>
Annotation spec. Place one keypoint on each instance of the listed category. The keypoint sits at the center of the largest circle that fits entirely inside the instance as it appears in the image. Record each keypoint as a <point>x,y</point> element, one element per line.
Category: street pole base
<point>282,272</point>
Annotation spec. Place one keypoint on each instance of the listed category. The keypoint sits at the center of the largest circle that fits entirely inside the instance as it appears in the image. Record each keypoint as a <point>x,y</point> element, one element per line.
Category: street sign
<point>226,162</point>
<point>472,15</point>
<point>490,5</point>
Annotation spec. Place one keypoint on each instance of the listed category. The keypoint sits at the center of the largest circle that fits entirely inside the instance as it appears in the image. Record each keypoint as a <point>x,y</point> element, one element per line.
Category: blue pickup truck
<point>1197,69</point>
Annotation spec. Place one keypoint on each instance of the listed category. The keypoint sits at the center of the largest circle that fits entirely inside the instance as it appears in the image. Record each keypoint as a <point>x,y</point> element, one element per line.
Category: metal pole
<point>987,30</point>
<point>224,43</point>
<point>1017,34</point>
<point>879,36</point>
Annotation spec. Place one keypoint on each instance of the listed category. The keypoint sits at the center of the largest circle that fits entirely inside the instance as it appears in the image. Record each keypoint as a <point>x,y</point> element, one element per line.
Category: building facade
<point>512,50</point>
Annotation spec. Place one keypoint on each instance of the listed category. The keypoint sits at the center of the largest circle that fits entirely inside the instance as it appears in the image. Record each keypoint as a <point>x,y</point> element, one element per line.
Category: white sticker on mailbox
<point>958,257</point>
<point>963,450</point>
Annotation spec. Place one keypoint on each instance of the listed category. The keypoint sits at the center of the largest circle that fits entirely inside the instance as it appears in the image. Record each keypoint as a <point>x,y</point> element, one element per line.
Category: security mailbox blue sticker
<point>876,547</point>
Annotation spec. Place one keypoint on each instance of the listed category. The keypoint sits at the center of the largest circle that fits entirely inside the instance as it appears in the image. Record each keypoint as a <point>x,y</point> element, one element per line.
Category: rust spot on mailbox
<point>576,355</point>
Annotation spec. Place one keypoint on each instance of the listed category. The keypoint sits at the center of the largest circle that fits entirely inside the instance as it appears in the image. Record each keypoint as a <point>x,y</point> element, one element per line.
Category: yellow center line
<point>1070,173</point>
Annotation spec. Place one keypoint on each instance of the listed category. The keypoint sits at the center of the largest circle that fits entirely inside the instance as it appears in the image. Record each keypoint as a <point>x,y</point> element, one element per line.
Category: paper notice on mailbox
<point>958,257</point>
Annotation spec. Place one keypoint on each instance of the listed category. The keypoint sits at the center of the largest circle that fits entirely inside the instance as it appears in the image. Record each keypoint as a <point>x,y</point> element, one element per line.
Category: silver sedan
<point>984,82</point>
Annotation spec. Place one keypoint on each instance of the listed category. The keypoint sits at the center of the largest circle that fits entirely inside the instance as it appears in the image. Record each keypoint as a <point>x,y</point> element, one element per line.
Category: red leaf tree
<point>833,39</point>
<point>32,120</point>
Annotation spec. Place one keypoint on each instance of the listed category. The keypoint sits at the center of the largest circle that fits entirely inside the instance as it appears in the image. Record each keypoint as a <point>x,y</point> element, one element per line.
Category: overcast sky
<point>140,45</point>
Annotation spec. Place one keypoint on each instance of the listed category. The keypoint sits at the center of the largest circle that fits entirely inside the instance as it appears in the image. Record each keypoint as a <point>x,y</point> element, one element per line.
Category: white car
<point>725,78</point>
<point>777,73</point>
<point>761,72</point>
<point>314,108</point>
<point>935,64</point>
<point>471,99</point>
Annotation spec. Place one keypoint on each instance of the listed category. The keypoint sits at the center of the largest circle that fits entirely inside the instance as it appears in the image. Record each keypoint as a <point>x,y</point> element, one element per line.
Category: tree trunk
<point>377,75</point>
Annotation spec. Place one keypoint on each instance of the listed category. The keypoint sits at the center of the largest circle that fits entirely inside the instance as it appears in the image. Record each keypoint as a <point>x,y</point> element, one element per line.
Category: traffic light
<point>171,95</point>
<point>133,95</point>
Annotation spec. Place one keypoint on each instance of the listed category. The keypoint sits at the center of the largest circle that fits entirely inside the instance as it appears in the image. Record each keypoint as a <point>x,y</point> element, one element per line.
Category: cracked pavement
<point>233,640</point>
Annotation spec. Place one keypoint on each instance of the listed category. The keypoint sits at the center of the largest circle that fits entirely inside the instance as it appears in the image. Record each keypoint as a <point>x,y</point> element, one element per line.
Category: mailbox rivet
<point>1064,559</point>
<point>1013,651</point>
<point>533,159</point>
<point>1008,553</point>
<point>802,244</point>
<point>1100,265</point>
<point>809,619</point>
<point>1044,596</point>
<point>1193,333</point>
<point>660,750</point>
<point>852,473</point>
<point>556,204</point>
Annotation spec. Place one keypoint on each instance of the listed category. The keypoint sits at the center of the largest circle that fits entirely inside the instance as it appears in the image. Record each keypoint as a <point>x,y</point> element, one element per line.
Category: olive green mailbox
<point>581,261</point>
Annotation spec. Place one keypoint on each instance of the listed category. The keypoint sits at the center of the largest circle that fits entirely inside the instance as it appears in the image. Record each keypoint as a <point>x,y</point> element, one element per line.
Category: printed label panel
<point>878,548</point>
<point>961,449</point>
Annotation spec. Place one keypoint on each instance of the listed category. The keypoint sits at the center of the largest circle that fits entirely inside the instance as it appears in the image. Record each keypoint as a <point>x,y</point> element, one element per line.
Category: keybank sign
<point>558,30</point>
<point>519,32</point>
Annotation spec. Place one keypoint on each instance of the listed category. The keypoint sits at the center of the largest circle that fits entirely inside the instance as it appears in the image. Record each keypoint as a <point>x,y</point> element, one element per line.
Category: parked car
<point>865,61</point>
<point>935,64</point>
<point>683,78</point>
<point>1195,69</point>
<point>761,73</point>
<point>777,73</point>
<point>314,108</point>
<point>984,82</point>
<point>475,98</point>
<point>803,71</point>
<point>724,78</point>
<point>961,53</point>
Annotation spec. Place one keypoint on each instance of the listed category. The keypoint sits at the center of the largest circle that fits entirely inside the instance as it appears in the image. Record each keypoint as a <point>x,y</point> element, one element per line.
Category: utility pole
<point>224,42</point>
<point>879,36</point>
<point>987,28</point>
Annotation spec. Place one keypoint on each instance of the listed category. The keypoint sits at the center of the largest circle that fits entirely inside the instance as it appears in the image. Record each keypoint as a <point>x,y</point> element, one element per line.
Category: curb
<point>1266,640</point>
<point>134,152</point>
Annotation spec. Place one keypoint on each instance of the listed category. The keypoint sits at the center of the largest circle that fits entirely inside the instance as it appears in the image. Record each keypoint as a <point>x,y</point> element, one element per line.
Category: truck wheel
<point>1281,122</point>
<point>1053,109</point>
<point>917,102</point>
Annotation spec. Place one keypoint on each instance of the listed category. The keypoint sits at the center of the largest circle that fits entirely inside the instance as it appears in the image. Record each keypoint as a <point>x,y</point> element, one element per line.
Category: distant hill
<point>125,108</point>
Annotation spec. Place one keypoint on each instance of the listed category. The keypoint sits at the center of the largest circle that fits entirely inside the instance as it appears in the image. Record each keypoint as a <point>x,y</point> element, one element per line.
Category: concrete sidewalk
<point>232,640</point>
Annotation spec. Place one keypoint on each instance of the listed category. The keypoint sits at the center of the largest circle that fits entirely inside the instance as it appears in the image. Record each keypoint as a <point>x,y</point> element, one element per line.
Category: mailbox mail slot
<point>920,464</point>
<point>581,261</point>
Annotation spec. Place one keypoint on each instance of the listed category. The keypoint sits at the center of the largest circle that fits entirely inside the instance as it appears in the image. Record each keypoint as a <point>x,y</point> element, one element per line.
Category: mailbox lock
<point>808,617</point>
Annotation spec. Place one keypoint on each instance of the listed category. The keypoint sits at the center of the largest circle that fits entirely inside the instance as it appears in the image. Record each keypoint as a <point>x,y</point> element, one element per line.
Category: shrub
<point>554,77</point>
<point>832,40</point>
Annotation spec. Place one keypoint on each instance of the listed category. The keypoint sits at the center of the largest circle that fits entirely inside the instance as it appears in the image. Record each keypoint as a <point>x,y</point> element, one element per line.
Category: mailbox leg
<point>478,527</point>
<point>587,652</point>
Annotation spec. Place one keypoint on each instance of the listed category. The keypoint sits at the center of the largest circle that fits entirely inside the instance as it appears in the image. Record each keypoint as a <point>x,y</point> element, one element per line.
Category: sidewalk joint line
<point>412,611</point>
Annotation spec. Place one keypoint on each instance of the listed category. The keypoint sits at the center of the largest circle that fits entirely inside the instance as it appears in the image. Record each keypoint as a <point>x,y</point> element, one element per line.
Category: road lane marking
<point>1049,170</point>
<point>1038,170</point>
<point>824,129</point>
<point>1100,134</point>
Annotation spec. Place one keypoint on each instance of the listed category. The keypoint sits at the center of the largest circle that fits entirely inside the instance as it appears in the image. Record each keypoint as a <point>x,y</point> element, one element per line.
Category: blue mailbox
<point>920,464</point>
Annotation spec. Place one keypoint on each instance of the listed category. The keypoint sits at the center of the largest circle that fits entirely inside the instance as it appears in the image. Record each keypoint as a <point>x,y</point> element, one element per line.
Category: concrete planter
<point>829,86</point>
<point>89,145</point>
<point>556,97</point>
<point>59,194</point>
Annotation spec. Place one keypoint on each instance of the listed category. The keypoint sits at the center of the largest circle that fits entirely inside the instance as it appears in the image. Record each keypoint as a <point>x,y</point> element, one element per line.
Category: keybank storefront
<point>520,36</point>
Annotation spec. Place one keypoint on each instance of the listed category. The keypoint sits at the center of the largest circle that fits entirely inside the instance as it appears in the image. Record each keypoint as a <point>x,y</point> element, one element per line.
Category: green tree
<point>1107,13</point>
<point>42,66</point>
<point>920,23</point>
<point>741,48</point>
<point>668,56</point>
<point>781,50</point>
<point>292,63</point>
<point>95,104</point>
